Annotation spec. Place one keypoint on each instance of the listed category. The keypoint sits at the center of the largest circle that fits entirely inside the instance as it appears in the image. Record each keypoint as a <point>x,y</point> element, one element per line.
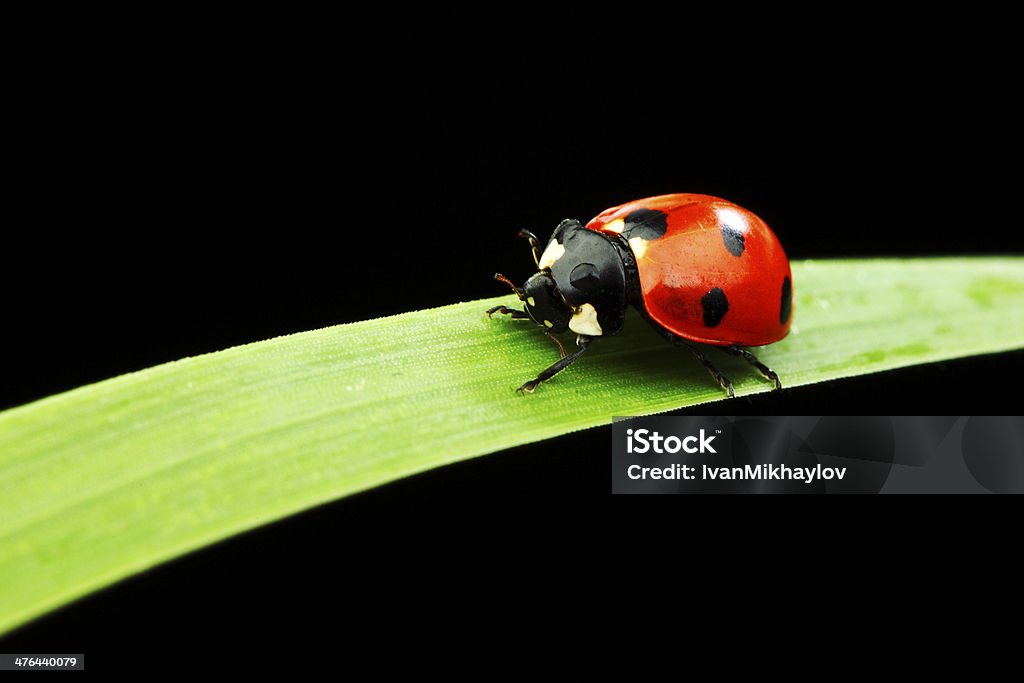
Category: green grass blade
<point>109,479</point>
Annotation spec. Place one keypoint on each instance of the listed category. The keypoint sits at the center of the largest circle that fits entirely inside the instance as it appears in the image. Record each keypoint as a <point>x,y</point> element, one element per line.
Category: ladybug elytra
<point>698,268</point>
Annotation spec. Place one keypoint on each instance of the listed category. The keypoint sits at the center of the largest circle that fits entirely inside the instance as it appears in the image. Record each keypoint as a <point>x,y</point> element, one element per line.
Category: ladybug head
<point>544,303</point>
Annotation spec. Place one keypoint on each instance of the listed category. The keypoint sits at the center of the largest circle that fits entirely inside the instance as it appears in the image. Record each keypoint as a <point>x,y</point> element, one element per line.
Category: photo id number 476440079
<point>30,662</point>
<point>41,662</point>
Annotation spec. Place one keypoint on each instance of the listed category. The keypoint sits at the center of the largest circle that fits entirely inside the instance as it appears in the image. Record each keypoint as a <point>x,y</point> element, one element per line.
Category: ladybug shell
<point>710,271</point>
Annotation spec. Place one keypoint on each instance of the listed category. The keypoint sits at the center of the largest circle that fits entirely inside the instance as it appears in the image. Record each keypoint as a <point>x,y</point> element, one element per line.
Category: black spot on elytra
<point>715,306</point>
<point>647,224</point>
<point>787,301</point>
<point>585,277</point>
<point>733,239</point>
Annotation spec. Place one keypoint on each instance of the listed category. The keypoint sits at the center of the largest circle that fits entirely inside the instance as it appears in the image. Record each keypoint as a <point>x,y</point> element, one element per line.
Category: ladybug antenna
<point>501,278</point>
<point>534,245</point>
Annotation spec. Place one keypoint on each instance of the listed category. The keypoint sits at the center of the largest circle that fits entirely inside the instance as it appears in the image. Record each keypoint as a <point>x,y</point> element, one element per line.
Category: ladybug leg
<point>505,310</point>
<point>752,359</point>
<point>722,380</point>
<point>534,245</point>
<point>581,341</point>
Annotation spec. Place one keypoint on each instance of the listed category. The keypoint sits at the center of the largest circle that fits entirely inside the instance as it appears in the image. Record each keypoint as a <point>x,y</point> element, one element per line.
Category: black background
<point>174,211</point>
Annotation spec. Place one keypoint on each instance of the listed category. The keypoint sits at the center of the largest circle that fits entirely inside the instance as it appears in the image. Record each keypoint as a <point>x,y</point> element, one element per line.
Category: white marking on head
<point>552,253</point>
<point>584,321</point>
<point>548,323</point>
<point>530,300</point>
<point>733,218</point>
<point>639,246</point>
<point>617,225</point>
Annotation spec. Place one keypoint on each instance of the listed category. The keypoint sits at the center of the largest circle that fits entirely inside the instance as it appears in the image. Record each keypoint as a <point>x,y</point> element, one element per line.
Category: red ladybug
<point>699,268</point>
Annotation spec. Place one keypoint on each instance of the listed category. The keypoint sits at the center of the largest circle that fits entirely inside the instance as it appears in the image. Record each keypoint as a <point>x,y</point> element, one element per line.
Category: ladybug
<point>698,268</point>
